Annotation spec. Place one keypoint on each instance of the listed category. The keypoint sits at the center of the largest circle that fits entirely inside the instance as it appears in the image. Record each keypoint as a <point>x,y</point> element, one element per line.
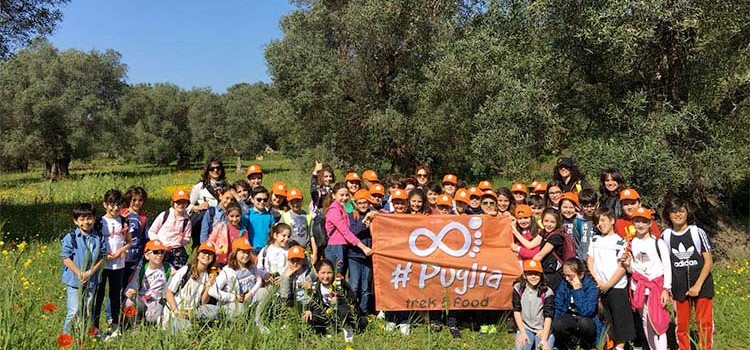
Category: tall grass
<point>34,214</point>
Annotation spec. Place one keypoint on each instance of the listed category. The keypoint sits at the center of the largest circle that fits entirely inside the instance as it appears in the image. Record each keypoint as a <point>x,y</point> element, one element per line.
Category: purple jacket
<point>337,226</point>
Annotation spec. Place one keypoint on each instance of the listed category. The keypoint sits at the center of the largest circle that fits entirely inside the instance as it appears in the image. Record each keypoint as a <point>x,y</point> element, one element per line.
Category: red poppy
<point>130,311</point>
<point>64,340</point>
<point>16,307</point>
<point>93,331</point>
<point>49,308</point>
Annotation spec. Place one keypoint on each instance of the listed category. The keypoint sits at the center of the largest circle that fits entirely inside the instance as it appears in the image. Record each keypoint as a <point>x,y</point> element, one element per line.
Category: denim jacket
<point>90,248</point>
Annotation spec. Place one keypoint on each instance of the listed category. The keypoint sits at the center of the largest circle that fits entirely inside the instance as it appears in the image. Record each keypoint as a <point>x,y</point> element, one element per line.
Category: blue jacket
<point>584,298</point>
<point>260,225</point>
<point>85,252</point>
<point>362,232</point>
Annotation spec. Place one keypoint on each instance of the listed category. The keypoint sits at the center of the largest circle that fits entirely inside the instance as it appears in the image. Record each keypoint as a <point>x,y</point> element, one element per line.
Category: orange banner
<point>439,262</point>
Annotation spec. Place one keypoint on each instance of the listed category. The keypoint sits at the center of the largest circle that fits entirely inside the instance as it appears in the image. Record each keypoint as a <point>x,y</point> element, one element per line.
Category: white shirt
<point>189,296</point>
<point>645,260</point>
<point>112,232</point>
<point>272,259</point>
<point>153,283</point>
<point>605,251</point>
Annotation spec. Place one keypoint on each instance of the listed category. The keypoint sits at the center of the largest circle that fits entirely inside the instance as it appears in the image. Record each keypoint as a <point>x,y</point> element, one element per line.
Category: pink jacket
<point>658,315</point>
<point>337,226</point>
<point>170,232</point>
<point>221,239</point>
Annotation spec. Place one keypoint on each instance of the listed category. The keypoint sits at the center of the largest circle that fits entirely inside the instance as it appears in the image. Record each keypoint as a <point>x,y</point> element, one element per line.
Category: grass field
<point>35,213</point>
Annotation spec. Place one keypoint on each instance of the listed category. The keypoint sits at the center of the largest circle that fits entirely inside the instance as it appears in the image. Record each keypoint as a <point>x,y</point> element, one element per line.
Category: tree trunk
<point>239,164</point>
<point>183,161</point>
<point>58,168</point>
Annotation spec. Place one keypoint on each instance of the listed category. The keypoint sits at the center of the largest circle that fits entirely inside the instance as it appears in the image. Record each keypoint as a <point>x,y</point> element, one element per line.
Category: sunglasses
<point>215,168</point>
<point>157,252</point>
<point>261,200</point>
<point>421,175</point>
<point>488,202</point>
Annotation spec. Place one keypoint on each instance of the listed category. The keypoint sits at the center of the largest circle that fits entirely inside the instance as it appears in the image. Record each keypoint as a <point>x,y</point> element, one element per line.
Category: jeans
<point>360,271</point>
<point>534,340</point>
<point>73,304</point>
<point>337,255</point>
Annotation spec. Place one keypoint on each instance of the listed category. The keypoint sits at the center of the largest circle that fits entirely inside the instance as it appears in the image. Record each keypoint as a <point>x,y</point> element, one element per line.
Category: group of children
<point>592,264</point>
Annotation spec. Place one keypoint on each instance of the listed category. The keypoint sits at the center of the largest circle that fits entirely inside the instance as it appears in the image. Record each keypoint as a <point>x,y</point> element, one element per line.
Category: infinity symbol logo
<point>437,239</point>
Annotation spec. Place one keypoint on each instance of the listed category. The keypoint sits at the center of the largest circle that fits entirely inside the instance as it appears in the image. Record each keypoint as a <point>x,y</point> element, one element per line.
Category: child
<point>631,201</point>
<point>353,184</point>
<point>398,319</point>
<point>297,279</point>
<point>475,202</point>
<point>533,308</point>
<point>136,220</point>
<point>360,265</point>
<point>254,176</point>
<point>320,185</point>
<point>187,295</point>
<point>505,202</point>
<point>604,253</point>
<point>692,281</point>
<point>337,229</point>
<point>243,189</point>
<point>83,252</point>
<point>651,281</point>
<point>611,183</point>
<point>369,178</point>
<point>536,202</point>
<point>489,203</point>
<point>527,233</point>
<point>172,229</point>
<point>398,200</point>
<point>432,192</point>
<point>418,203</point>
<point>273,255</point>
<point>238,285</point>
<point>554,194</point>
<point>519,191</point>
<point>461,201</point>
<point>552,247</point>
<point>330,302</point>
<point>540,190</point>
<point>278,200</point>
<point>568,212</point>
<point>449,184</point>
<point>575,308</point>
<point>146,290</point>
<point>584,221</point>
<point>444,204</point>
<point>216,214</point>
<point>226,233</point>
<point>117,238</point>
<point>259,218</point>
<point>300,221</point>
<point>377,191</point>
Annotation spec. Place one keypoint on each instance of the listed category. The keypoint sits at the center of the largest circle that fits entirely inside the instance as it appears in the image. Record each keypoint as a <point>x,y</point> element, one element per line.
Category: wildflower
<point>349,348</point>
<point>329,311</point>
<point>130,311</point>
<point>93,331</point>
<point>64,340</point>
<point>49,308</point>
<point>22,245</point>
<point>16,307</point>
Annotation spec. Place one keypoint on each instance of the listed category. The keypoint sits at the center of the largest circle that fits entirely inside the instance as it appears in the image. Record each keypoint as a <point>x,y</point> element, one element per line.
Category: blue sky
<point>189,43</point>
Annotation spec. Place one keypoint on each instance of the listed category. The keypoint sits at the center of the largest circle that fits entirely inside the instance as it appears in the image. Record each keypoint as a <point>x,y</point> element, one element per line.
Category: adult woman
<point>575,308</point>
<point>422,174</point>
<point>569,176</point>
<point>611,182</point>
<point>205,194</point>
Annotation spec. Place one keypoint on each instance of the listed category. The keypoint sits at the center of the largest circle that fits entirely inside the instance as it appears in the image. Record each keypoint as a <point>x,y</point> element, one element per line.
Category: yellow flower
<point>349,348</point>
<point>5,252</point>
<point>22,245</point>
<point>26,263</point>
<point>2,243</point>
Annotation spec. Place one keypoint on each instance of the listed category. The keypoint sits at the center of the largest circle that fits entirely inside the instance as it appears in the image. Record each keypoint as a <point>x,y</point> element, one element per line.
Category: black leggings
<point>114,279</point>
<point>571,330</point>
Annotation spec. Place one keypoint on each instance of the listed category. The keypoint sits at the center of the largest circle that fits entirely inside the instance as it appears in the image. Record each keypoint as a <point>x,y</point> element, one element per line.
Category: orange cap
<point>362,194</point>
<point>450,178</point>
<point>180,195</point>
<point>445,199</point>
<point>241,244</point>
<point>207,246</point>
<point>629,193</point>
<point>377,189</point>
<point>295,252</point>
<point>279,188</point>
<point>473,191</point>
<point>294,193</point>
<point>462,195</point>
<point>518,187</point>
<point>154,245</point>
<point>533,184</point>
<point>352,176</point>
<point>254,169</point>
<point>540,187</point>
<point>523,211</point>
<point>399,194</point>
<point>490,193</point>
<point>642,213</point>
<point>370,175</point>
<point>532,266</point>
<point>484,185</point>
<point>571,196</point>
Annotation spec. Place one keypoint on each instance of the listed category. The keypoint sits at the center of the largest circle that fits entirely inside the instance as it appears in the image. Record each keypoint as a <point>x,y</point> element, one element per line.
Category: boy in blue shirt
<point>83,253</point>
<point>260,218</point>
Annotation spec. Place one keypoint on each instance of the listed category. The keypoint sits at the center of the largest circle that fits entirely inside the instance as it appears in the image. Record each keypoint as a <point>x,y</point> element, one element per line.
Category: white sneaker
<point>381,315</point>
<point>348,334</point>
<point>116,333</point>
<point>405,328</point>
<point>390,326</point>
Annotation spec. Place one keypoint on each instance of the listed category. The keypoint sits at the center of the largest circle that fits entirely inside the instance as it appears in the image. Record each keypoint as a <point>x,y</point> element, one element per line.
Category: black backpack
<point>318,228</point>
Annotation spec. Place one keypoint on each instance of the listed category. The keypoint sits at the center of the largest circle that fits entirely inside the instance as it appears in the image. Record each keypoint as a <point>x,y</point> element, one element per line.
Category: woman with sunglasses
<point>205,194</point>
<point>422,175</point>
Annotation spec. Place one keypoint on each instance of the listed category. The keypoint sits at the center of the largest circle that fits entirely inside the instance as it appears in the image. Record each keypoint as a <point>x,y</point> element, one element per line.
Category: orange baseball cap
<point>445,199</point>
<point>294,193</point>
<point>180,195</point>
<point>518,187</point>
<point>473,191</point>
<point>362,194</point>
<point>154,245</point>
<point>254,169</point>
<point>370,175</point>
<point>450,179</point>
<point>642,213</point>
<point>532,266</point>
<point>629,193</point>
<point>377,189</point>
<point>571,196</point>
<point>206,246</point>
<point>462,195</point>
<point>352,176</point>
<point>484,185</point>
<point>399,194</point>
<point>523,211</point>
<point>533,184</point>
<point>540,187</point>
<point>279,188</point>
<point>295,252</point>
<point>241,244</point>
<point>489,193</point>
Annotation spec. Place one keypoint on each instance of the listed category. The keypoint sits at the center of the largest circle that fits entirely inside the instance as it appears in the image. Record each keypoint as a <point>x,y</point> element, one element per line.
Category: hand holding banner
<point>438,262</point>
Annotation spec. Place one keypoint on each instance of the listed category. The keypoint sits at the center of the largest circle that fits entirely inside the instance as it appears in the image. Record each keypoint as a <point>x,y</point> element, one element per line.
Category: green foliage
<point>21,21</point>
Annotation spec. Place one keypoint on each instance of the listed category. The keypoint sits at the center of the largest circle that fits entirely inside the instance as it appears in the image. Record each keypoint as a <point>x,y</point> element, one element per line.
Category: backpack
<point>568,249</point>
<point>165,216</point>
<point>318,228</point>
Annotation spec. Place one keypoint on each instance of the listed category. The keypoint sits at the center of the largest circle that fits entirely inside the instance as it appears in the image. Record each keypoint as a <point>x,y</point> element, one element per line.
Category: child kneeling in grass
<point>330,304</point>
<point>146,289</point>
